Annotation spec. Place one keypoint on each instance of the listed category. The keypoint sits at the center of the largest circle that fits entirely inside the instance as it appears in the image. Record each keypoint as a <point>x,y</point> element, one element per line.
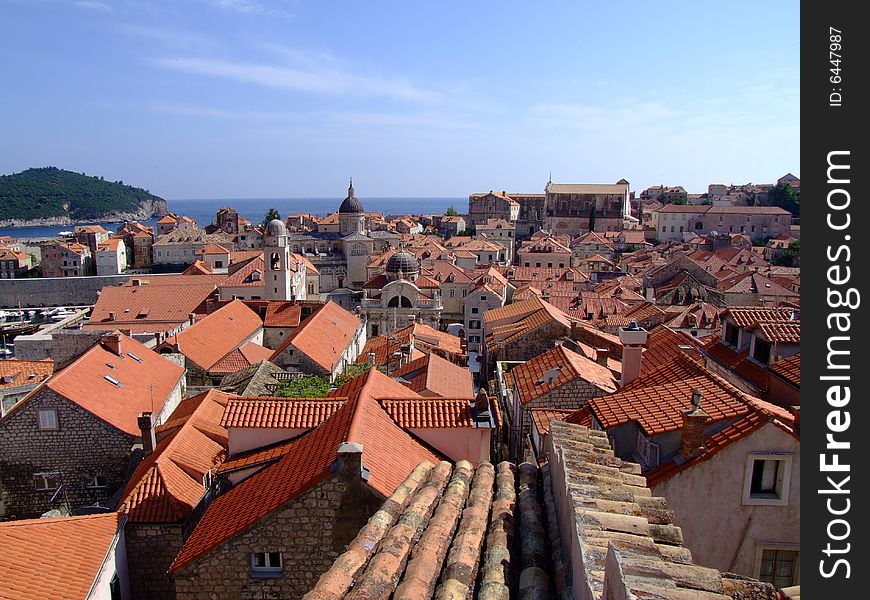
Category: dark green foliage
<point>786,259</point>
<point>44,192</point>
<point>271,215</point>
<point>451,212</point>
<point>315,386</point>
<point>785,196</point>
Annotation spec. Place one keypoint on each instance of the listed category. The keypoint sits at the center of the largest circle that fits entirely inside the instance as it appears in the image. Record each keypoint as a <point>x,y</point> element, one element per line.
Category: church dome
<point>404,263</point>
<point>276,228</point>
<point>351,204</point>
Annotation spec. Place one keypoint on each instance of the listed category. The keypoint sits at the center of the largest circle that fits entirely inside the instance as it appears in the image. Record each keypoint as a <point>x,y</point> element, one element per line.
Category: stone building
<point>482,298</point>
<point>399,293</point>
<point>324,344</point>
<point>492,205</point>
<point>277,529</point>
<point>568,207</point>
<point>672,222</point>
<point>66,259</point>
<point>530,219</point>
<point>522,330</point>
<point>501,232</point>
<point>19,377</point>
<point>68,443</point>
<point>557,379</point>
<point>545,251</point>
<point>165,488</point>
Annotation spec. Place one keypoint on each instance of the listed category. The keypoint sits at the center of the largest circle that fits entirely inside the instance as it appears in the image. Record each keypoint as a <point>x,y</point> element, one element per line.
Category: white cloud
<point>309,75</point>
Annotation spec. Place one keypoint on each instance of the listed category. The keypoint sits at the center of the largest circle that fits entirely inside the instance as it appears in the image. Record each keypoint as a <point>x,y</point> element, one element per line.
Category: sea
<point>254,209</point>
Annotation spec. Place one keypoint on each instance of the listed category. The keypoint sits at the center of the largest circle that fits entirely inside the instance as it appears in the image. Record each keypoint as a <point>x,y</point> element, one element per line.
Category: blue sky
<point>257,98</point>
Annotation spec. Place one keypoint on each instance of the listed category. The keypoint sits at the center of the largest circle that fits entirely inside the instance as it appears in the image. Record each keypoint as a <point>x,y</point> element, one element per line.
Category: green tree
<point>785,196</point>
<point>271,215</point>
<point>451,212</point>
<point>592,219</point>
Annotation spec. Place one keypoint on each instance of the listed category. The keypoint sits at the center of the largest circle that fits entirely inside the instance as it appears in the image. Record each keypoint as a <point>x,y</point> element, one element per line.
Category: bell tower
<point>284,279</point>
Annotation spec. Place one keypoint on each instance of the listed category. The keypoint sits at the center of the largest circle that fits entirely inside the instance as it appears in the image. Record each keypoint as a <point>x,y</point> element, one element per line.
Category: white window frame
<point>92,481</point>
<point>42,424</point>
<point>778,498</point>
<point>268,570</point>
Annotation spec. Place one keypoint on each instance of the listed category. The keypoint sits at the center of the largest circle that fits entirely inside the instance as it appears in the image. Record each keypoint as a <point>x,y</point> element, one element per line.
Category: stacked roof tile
<point>323,336</point>
<point>280,413</point>
<point>788,369</point>
<point>433,375</point>
<point>15,372</point>
<point>531,377</point>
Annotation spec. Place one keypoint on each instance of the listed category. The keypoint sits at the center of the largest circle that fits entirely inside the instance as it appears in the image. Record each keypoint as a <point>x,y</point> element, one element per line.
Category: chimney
<point>601,355</point>
<point>370,359</point>
<point>112,342</point>
<point>146,429</point>
<point>633,339</point>
<point>348,464</point>
<point>158,338</point>
<point>112,315</point>
<point>412,319</point>
<point>191,318</point>
<point>692,442</point>
<point>481,403</point>
<point>796,413</point>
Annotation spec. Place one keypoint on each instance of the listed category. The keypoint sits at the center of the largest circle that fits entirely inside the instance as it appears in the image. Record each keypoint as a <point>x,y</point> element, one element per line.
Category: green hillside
<point>52,192</point>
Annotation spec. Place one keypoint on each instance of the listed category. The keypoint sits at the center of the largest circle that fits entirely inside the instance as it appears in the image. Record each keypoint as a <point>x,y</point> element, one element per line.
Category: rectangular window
<point>48,420</point>
<point>732,334</point>
<point>266,564</point>
<point>647,451</point>
<point>95,480</point>
<point>767,479</point>
<point>474,310</point>
<point>46,482</point>
<point>761,351</point>
<point>780,567</point>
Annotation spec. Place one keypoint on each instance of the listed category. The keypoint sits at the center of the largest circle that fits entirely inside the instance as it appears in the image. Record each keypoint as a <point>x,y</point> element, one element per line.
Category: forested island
<point>52,196</point>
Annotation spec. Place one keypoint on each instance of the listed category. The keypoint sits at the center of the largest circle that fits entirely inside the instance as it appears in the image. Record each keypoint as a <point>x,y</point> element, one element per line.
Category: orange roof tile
<point>214,336</point>
<point>779,332</point>
<point>389,453</point>
<point>438,376</point>
<point>323,336</point>
<point>15,372</point>
<point>240,358</point>
<point>657,401</point>
<point>213,248</point>
<point>543,416</point>
<point>738,362</point>
<point>168,483</point>
<point>283,314</point>
<point>54,558</point>
<point>279,413</point>
<point>420,413</point>
<point>662,346</point>
<point>788,369</point>
<point>147,305</point>
<point>748,316</point>
<point>144,384</point>
<point>529,377</point>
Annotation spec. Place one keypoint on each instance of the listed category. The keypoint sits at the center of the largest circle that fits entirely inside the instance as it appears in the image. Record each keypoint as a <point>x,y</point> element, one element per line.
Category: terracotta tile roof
<point>420,413</point>
<point>54,558</point>
<point>279,413</point>
<point>323,336</point>
<point>779,332</point>
<point>436,375</point>
<point>662,347</point>
<point>150,305</point>
<point>197,268</point>
<point>643,313</point>
<point>737,362</point>
<point>245,274</point>
<point>543,416</point>
<point>656,401</point>
<point>788,369</point>
<point>15,372</point>
<point>168,483</point>
<point>213,249</point>
<point>389,453</point>
<point>144,384</point>
<point>217,334</point>
<point>530,376</point>
<point>424,338</point>
<point>745,317</point>
<point>745,426</point>
<point>240,358</point>
<point>283,314</point>
<point>507,323</point>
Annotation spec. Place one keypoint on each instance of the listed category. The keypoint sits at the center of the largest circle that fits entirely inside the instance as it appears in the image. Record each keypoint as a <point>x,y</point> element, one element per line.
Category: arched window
<point>358,250</point>
<point>275,261</point>
<point>399,301</point>
<point>699,226</point>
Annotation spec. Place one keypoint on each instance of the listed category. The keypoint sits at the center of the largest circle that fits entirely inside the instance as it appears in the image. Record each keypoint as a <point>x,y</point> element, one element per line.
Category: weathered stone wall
<point>534,343</point>
<point>81,444</point>
<point>151,548</point>
<point>310,532</point>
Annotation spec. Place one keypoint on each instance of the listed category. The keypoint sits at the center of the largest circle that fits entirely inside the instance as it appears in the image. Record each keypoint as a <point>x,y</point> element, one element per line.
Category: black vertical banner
<point>835,347</point>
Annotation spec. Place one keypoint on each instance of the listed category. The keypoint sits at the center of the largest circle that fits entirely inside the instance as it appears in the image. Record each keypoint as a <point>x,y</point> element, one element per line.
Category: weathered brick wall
<point>571,396</point>
<point>82,443</point>
<point>151,548</point>
<point>310,532</point>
